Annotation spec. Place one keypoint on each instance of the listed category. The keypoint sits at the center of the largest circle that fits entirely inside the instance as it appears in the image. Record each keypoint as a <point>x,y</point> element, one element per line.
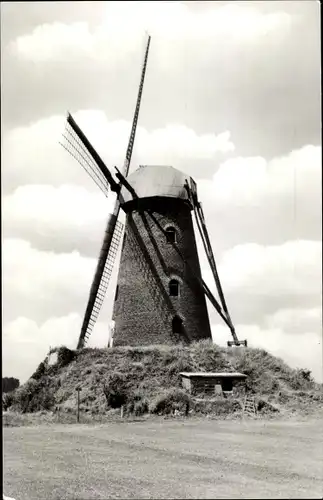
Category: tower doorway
<point>177,325</point>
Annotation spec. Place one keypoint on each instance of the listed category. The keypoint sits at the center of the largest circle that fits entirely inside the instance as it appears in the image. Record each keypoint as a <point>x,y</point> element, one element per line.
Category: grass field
<point>165,459</point>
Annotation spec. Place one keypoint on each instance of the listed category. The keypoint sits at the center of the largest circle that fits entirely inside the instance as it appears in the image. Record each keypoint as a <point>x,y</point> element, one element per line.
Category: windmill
<point>160,295</point>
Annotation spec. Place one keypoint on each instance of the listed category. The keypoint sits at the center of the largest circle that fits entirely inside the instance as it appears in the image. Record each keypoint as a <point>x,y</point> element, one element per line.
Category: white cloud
<point>68,205</point>
<point>32,154</point>
<point>296,320</point>
<point>42,284</point>
<point>68,217</point>
<point>293,268</point>
<point>49,40</point>
<point>178,141</point>
<point>123,27</point>
<point>299,351</point>
<point>252,181</point>
<point>44,276</point>
<point>32,341</point>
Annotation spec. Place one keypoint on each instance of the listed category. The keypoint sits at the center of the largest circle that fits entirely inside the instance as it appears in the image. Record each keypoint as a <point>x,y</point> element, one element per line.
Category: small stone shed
<point>213,383</point>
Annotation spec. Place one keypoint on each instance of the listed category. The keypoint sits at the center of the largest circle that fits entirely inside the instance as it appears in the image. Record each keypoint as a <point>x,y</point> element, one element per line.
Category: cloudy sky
<point>231,97</point>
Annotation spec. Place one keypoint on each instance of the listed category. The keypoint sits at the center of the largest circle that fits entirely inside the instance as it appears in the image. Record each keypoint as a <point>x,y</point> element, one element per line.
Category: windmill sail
<point>79,146</point>
<point>102,277</point>
<point>200,221</point>
<point>127,161</point>
<point>82,150</point>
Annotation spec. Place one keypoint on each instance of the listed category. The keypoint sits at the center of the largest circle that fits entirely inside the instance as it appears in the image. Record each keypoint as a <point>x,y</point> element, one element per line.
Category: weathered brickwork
<point>143,309</point>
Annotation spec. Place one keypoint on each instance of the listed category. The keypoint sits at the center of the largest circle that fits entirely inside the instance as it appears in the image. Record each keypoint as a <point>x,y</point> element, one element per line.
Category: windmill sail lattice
<point>79,146</point>
<point>131,142</point>
<point>82,150</point>
<point>73,145</point>
<point>101,281</point>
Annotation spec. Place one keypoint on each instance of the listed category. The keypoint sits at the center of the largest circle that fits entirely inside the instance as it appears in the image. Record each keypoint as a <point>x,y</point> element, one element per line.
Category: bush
<point>137,403</point>
<point>40,371</point>
<point>301,379</point>
<point>24,395</point>
<point>7,400</point>
<point>9,384</point>
<point>35,395</point>
<point>265,372</point>
<point>210,357</point>
<point>115,390</point>
<point>141,407</point>
<point>169,401</point>
<point>65,356</point>
<point>305,374</point>
<point>180,365</point>
<point>263,406</point>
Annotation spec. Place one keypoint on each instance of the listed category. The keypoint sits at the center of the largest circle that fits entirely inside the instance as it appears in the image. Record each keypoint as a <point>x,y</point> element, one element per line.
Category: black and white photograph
<point>161,175</point>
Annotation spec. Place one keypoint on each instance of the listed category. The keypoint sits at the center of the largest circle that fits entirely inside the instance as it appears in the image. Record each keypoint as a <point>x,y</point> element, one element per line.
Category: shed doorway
<point>227,385</point>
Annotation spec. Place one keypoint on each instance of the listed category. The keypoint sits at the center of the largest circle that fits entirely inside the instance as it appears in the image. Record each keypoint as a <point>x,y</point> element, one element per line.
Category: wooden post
<point>78,403</point>
<point>122,411</point>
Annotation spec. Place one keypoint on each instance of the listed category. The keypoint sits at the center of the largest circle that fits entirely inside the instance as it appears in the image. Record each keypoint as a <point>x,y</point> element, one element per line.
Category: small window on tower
<point>117,293</point>
<point>171,235</point>
<point>174,288</point>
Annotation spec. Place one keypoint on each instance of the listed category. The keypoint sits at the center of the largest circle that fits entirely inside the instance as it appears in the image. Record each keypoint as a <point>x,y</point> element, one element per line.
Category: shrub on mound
<point>115,390</point>
<point>301,379</point>
<point>118,393</point>
<point>40,371</point>
<point>209,357</point>
<point>179,365</point>
<point>138,407</point>
<point>65,356</point>
<point>7,400</point>
<point>265,407</point>
<point>169,401</point>
<point>137,403</point>
<point>35,395</point>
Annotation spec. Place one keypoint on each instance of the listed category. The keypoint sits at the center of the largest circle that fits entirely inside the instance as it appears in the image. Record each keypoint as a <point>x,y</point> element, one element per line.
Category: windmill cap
<point>151,181</point>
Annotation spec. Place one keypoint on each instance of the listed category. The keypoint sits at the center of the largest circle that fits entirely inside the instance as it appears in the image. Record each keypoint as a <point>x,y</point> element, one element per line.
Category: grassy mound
<point>146,379</point>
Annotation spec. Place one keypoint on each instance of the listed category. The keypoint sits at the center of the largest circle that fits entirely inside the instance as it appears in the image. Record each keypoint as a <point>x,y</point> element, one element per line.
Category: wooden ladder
<point>249,407</point>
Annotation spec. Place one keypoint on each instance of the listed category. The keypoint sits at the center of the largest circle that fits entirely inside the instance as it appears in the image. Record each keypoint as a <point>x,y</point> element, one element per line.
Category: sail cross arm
<point>201,224</point>
<point>132,136</point>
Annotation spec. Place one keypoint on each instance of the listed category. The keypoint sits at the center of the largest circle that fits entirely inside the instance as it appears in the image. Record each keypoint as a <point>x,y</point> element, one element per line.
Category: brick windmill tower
<point>159,298</point>
<point>160,295</point>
